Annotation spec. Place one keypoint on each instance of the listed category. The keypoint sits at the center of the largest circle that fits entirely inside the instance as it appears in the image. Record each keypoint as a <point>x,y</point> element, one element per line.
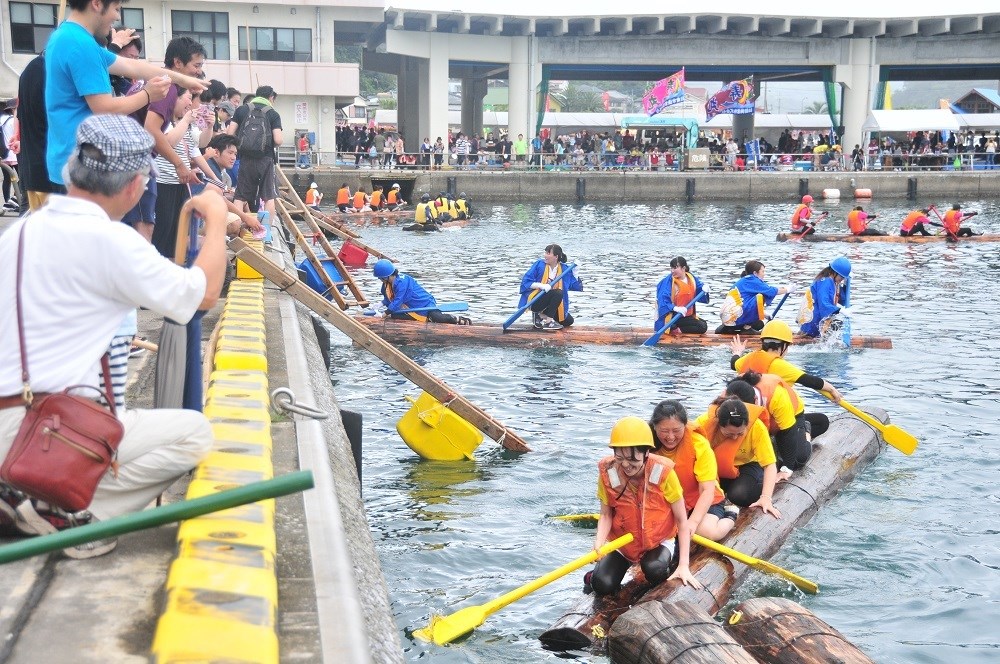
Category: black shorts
<point>256,180</point>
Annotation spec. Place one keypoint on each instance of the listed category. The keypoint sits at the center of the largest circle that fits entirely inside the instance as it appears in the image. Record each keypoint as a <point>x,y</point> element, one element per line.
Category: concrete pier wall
<point>644,187</point>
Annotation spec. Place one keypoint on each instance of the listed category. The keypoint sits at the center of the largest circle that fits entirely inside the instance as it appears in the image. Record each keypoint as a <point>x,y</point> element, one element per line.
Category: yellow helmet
<point>631,431</point>
<point>777,329</point>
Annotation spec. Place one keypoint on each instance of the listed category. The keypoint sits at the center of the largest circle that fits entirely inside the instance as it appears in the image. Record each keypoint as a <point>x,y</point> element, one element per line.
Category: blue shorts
<point>145,209</point>
<point>716,509</point>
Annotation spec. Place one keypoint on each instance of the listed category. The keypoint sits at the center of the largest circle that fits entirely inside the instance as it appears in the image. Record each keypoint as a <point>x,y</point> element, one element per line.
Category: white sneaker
<point>91,549</point>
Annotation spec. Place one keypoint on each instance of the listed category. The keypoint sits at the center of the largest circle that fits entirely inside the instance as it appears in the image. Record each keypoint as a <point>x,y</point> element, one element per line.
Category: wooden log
<point>909,239</point>
<point>680,632</point>
<point>413,332</point>
<point>776,630</point>
<point>378,347</point>
<point>838,457</point>
<point>585,626</point>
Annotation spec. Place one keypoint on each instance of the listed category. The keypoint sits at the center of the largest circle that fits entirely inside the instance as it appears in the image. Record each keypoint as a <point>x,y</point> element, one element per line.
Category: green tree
<point>581,101</point>
<point>816,108</point>
<point>387,103</point>
<point>372,82</point>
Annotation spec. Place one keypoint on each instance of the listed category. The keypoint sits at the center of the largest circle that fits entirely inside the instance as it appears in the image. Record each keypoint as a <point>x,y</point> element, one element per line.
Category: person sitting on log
<point>392,199</point>
<point>829,295</point>
<point>463,206</point>
<point>743,451</point>
<point>775,339</point>
<point>742,312</point>
<point>914,223</point>
<point>780,402</point>
<point>952,223</point>
<point>344,198</point>
<point>696,469</point>
<point>639,494</point>
<point>857,221</point>
<point>401,291</point>
<point>425,216</point>
<point>673,294</point>
<point>549,304</point>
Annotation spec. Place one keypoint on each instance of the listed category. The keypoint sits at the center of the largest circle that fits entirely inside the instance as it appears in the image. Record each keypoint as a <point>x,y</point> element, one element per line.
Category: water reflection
<point>434,485</point>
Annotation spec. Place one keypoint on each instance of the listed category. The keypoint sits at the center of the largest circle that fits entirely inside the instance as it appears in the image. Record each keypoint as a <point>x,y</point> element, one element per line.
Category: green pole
<point>186,509</point>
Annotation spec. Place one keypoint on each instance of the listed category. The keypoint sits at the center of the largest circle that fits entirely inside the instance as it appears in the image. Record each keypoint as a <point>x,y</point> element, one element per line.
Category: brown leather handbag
<point>66,442</point>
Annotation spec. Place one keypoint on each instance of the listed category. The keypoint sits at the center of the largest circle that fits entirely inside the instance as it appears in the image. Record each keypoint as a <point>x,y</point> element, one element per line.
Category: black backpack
<point>256,139</point>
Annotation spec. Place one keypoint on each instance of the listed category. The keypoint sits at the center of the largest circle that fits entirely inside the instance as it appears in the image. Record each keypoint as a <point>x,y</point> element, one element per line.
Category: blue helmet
<point>841,266</point>
<point>383,268</point>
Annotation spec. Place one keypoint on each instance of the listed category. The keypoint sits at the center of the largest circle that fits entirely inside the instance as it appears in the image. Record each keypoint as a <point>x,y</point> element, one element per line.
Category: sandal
<point>462,320</point>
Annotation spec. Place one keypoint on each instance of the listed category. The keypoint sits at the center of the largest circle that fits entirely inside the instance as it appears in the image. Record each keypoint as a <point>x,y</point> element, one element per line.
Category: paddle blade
<point>901,439</point>
<point>805,585</point>
<point>577,517</point>
<point>445,629</point>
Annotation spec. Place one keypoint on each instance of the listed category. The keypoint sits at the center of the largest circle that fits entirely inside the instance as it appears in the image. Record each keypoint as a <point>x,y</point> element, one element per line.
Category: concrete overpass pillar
<point>414,98</point>
<point>743,129</point>
<point>473,93</point>
<point>437,87</point>
<point>517,100</point>
<point>858,77</point>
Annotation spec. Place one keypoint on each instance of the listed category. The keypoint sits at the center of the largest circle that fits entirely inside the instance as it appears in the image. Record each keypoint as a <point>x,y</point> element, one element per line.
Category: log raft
<point>776,630</point>
<point>838,457</point>
<point>899,239</point>
<point>427,334</point>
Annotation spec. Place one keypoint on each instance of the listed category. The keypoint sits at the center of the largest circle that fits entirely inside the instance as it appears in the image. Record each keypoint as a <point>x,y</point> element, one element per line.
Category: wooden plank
<point>838,457</point>
<point>681,632</point>
<point>300,239</point>
<point>288,198</point>
<point>413,332</point>
<point>380,348</point>
<point>354,240</point>
<point>776,630</point>
<point>909,239</point>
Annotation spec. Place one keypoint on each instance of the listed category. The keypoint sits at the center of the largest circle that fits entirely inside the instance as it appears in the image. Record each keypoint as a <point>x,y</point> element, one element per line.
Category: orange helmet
<point>807,199</point>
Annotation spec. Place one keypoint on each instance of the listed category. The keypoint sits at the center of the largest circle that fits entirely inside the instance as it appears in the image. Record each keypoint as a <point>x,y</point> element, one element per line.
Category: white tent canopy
<point>979,121</point>
<point>923,120</point>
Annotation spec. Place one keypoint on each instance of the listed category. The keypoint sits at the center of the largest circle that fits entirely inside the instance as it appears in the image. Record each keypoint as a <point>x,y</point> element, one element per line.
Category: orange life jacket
<point>376,199</point>
<point>684,458</point>
<point>359,200</point>
<point>952,221</point>
<point>766,386</point>
<point>802,212</point>
<point>856,223</point>
<point>759,361</point>
<point>640,509</point>
<point>725,448</point>
<point>311,197</point>
<point>392,198</point>
<point>682,291</point>
<point>911,220</point>
<point>343,196</point>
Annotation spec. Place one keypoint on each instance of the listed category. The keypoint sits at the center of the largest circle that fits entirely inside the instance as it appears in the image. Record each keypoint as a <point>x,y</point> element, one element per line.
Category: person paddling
<point>640,494</point>
<point>549,304</point>
<point>775,340</point>
<point>828,295</point>
<point>857,221</point>
<point>914,223</point>
<point>343,198</point>
<point>696,469</point>
<point>743,452</point>
<point>674,293</point>
<point>952,223</point>
<point>743,311</point>
<point>401,291</point>
<point>801,224</point>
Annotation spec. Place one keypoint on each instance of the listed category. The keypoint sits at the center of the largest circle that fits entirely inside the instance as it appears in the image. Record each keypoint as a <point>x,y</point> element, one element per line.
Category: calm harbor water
<point>908,556</point>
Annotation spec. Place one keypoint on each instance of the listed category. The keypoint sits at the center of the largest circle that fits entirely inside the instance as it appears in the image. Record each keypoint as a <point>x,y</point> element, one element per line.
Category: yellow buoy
<point>435,432</point>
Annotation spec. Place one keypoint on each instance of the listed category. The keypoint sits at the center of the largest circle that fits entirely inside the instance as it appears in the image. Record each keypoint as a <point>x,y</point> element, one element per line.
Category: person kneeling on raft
<point>780,403</point>
<point>640,494</point>
<point>696,469</point>
<point>674,293</point>
<point>775,339</point>
<point>549,304</point>
<point>401,291</point>
<point>743,452</point>
<point>828,295</point>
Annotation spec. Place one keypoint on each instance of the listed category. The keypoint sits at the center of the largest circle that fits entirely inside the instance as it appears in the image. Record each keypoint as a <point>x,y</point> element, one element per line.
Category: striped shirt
<point>165,171</point>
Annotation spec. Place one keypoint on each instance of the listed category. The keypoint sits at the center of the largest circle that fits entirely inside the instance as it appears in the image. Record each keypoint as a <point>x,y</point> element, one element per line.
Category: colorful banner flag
<point>736,98</point>
<point>664,93</point>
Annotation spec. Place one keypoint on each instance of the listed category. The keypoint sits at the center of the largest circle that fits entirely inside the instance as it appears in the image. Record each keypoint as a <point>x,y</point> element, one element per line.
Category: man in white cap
<point>392,199</point>
<point>103,270</point>
<point>313,196</point>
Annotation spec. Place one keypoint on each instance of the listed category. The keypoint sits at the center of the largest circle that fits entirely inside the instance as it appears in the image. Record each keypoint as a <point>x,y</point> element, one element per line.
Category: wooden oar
<point>445,629</point>
<point>758,564</point>
<point>899,438</point>
<point>797,237</point>
<point>444,306</point>
<point>653,340</point>
<point>517,314</point>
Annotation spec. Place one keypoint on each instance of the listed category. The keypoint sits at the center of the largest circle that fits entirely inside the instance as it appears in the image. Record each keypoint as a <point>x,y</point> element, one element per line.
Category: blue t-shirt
<point>75,66</point>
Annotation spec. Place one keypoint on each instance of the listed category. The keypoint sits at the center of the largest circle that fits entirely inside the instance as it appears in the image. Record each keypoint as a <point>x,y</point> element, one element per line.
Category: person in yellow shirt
<point>695,467</point>
<point>743,452</point>
<point>781,403</point>
<point>775,340</point>
<point>639,494</point>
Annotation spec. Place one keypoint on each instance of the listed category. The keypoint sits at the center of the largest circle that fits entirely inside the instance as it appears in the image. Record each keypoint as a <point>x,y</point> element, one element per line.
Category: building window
<point>277,44</point>
<point>133,18</point>
<point>30,26</point>
<point>210,29</point>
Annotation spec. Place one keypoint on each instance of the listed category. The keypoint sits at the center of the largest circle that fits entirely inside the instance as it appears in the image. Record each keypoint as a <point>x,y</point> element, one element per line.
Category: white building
<point>291,47</point>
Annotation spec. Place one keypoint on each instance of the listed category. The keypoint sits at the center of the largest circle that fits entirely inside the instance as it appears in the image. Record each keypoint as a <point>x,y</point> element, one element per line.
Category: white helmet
<point>395,185</point>
<point>313,186</point>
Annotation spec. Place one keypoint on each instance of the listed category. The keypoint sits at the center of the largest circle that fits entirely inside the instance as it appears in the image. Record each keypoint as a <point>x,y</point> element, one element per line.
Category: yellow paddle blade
<point>577,517</point>
<point>445,629</point>
<point>895,436</point>
<point>762,565</point>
